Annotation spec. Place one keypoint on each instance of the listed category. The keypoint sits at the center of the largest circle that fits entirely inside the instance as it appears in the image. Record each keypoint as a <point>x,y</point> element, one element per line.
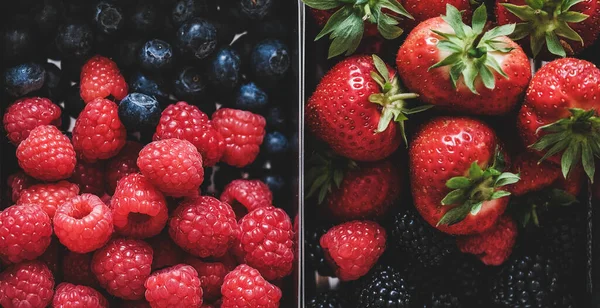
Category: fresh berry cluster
<point>144,157</point>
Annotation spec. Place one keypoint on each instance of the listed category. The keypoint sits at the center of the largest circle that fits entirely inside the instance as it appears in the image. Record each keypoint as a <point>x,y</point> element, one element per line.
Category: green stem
<point>402,96</point>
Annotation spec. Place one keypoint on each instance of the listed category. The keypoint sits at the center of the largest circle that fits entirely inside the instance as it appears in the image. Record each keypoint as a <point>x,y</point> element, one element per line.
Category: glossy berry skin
<point>186,293</point>
<point>224,69</point>
<point>276,143</point>
<point>68,295</point>
<point>108,17</point>
<point>156,55</point>
<point>151,85</point>
<point>101,78</point>
<point>24,78</point>
<point>139,112</point>
<point>196,38</point>
<point>327,299</point>
<point>269,62</point>
<point>27,284</point>
<point>122,164</point>
<point>386,285</point>
<point>89,177</point>
<point>254,10</point>
<point>243,132</point>
<point>190,84</point>
<point>74,40</point>
<point>352,248</point>
<point>47,154</point>
<point>250,97</point>
<point>98,131</point>
<point>25,233</point>
<point>122,267</point>
<point>28,113</point>
<point>247,195</point>
<point>211,276</point>
<point>48,196</point>
<point>245,287</point>
<point>423,10</point>
<point>139,209</point>
<point>83,224</point>
<point>174,166</point>
<point>493,246</point>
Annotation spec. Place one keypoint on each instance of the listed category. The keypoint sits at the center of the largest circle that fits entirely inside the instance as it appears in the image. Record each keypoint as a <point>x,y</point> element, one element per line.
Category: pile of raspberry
<point>95,219</point>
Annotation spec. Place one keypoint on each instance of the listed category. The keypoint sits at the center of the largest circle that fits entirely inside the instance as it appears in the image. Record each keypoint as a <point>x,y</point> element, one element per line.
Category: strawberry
<point>101,78</point>
<point>353,106</point>
<point>565,27</point>
<point>456,173</point>
<point>559,118</point>
<point>464,68</point>
<point>493,246</point>
<point>423,10</point>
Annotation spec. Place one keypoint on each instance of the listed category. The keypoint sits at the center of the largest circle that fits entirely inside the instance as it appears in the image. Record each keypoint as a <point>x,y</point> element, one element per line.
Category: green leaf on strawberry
<point>326,170</point>
<point>526,209</point>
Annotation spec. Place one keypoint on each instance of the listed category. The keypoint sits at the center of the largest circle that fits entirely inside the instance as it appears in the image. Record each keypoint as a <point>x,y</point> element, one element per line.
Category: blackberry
<point>442,299</point>
<point>329,299</point>
<point>465,274</point>
<point>564,238</point>
<point>314,253</point>
<point>384,287</point>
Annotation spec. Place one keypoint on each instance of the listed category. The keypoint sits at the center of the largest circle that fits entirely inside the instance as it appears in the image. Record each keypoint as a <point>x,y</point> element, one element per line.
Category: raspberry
<point>122,267</point>
<point>243,132</point>
<point>100,78</point>
<point>83,224</point>
<point>73,296</point>
<point>17,182</point>
<point>28,284</point>
<point>139,209</point>
<point>176,286</point>
<point>47,154</point>
<point>174,166</point>
<point>166,252</point>
<point>211,276</point>
<point>267,242</point>
<point>48,196</point>
<point>245,287</point>
<point>204,226</point>
<point>493,246</point>
<point>247,195</point>
<point>352,248</point>
<point>89,177</point>
<point>98,132</point>
<point>77,269</point>
<point>187,122</point>
<point>28,113</point>
<point>122,164</point>
<point>25,232</point>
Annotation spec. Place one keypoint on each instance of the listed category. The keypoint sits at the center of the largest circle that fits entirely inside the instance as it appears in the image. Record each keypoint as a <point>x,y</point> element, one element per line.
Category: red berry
<point>211,276</point>
<point>122,164</point>
<point>83,224</point>
<point>139,209</point>
<point>100,78</point>
<point>243,132</point>
<point>48,196</point>
<point>352,248</point>
<point>25,232</point>
<point>493,246</point>
<point>17,182</point>
<point>245,287</point>
<point>47,154</point>
<point>28,284</point>
<point>74,296</point>
<point>166,252</point>
<point>204,226</point>
<point>28,113</point>
<point>77,269</point>
<point>187,122</point>
<point>122,267</point>
<point>176,286</point>
<point>247,195</point>
<point>98,132</point>
<point>174,166</point>
<point>267,242</point>
<point>89,177</point>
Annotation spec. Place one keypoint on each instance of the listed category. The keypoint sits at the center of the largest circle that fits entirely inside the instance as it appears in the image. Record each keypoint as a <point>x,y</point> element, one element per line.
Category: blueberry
<point>224,68</point>
<point>253,9</point>
<point>74,40</point>
<point>197,38</point>
<point>156,55</point>
<point>24,78</point>
<point>149,85</point>
<point>108,17</point>
<point>18,43</point>
<point>73,102</point>
<point>275,182</point>
<point>269,62</point>
<point>275,117</point>
<point>55,85</point>
<point>127,51</point>
<point>49,16</point>
<point>275,143</point>
<point>184,10</point>
<point>189,84</point>
<point>250,97</point>
<point>145,16</point>
<point>139,112</point>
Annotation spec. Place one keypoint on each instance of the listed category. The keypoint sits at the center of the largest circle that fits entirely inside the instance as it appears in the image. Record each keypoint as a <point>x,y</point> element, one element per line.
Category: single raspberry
<point>98,132</point>
<point>267,241</point>
<point>245,287</point>
<point>204,226</point>
<point>28,113</point>
<point>174,166</point>
<point>352,248</point>
<point>25,232</point>
<point>68,295</point>
<point>493,246</point>
<point>243,132</point>
<point>101,78</point>
<point>122,164</point>
<point>166,252</point>
<point>187,122</point>
<point>48,196</point>
<point>89,177</point>
<point>28,284</point>
<point>17,182</point>
<point>139,209</point>
<point>176,286</point>
<point>77,269</point>
<point>83,224</point>
<point>247,195</point>
<point>47,154</point>
<point>211,276</point>
<point>122,267</point>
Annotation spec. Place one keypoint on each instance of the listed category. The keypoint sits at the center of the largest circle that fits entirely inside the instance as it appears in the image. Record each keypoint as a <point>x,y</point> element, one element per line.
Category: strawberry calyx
<point>326,171</point>
<point>525,208</point>
<point>545,22</point>
<point>469,192</point>
<point>577,136</point>
<point>470,48</point>
<point>346,26</point>
<point>391,99</point>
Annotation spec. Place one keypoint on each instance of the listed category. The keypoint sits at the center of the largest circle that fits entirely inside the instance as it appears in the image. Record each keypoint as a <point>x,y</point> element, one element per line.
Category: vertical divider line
<point>301,77</point>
